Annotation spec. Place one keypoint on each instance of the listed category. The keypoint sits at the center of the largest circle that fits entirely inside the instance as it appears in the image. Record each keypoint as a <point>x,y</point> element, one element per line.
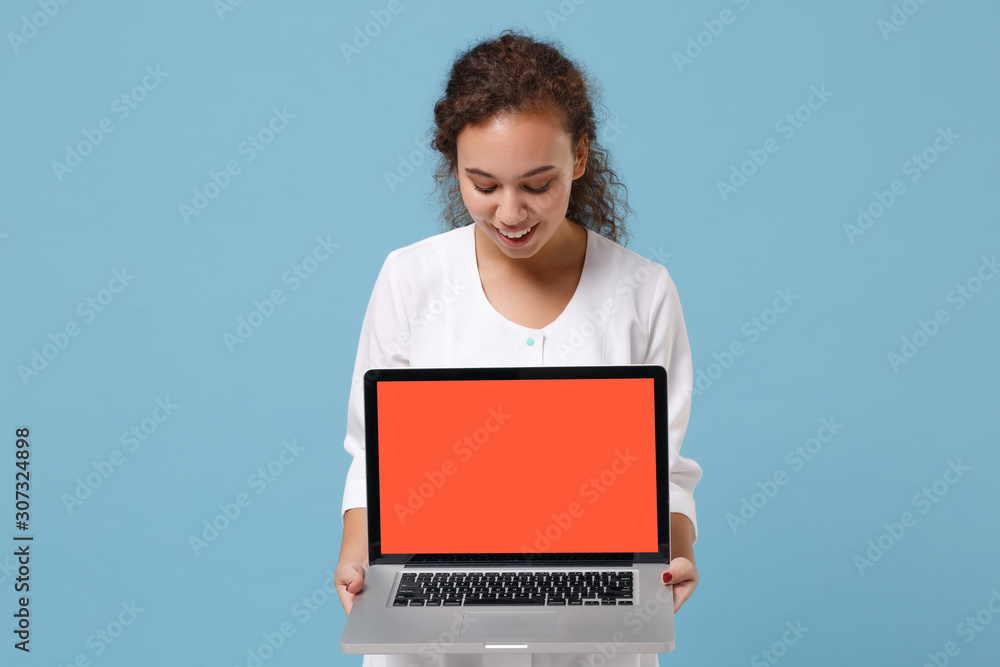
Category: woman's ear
<point>580,159</point>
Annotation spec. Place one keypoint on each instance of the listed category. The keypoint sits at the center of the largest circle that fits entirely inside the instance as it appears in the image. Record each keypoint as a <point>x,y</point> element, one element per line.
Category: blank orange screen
<point>517,466</point>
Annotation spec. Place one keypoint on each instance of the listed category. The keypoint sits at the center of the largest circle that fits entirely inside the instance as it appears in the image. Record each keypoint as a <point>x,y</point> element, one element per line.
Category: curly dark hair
<point>515,73</point>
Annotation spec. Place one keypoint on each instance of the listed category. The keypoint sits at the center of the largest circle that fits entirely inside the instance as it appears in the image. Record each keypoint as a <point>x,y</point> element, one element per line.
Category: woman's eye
<point>489,190</point>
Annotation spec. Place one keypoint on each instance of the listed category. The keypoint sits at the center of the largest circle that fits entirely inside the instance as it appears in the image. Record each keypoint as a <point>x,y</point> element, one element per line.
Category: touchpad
<point>491,625</point>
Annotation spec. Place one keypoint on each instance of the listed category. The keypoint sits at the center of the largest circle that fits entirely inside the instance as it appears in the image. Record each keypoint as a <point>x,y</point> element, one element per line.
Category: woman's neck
<point>564,252</point>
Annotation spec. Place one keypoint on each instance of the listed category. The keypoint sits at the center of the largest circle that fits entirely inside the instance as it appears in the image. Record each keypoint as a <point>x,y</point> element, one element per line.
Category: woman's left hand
<point>683,577</point>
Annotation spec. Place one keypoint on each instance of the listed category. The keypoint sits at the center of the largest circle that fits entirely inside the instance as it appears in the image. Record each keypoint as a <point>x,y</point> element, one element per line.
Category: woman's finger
<point>683,576</point>
<point>349,581</point>
<point>680,569</point>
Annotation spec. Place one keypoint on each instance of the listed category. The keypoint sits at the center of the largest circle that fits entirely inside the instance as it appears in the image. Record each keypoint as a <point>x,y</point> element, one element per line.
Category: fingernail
<point>667,577</point>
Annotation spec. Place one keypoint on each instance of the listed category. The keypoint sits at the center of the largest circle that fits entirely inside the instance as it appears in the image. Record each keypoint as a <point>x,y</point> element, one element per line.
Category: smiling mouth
<point>518,235</point>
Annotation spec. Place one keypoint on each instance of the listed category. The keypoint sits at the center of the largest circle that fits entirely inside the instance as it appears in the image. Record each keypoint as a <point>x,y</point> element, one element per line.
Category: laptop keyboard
<point>434,589</point>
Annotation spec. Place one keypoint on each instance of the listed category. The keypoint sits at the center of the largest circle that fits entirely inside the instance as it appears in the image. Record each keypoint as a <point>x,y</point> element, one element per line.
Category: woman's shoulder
<point>424,266</point>
<point>432,248</point>
<point>629,264</point>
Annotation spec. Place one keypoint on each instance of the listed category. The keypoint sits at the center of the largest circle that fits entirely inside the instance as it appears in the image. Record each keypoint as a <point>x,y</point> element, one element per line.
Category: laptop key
<point>488,601</point>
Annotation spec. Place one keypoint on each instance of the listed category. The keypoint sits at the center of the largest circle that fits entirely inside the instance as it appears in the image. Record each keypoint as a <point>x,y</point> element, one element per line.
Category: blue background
<point>676,129</point>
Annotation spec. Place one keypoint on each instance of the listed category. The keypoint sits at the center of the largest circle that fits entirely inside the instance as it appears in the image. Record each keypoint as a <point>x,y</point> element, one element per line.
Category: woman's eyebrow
<point>533,172</point>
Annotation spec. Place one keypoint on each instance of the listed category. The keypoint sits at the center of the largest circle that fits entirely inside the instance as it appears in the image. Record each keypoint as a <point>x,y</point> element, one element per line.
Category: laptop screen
<point>520,466</point>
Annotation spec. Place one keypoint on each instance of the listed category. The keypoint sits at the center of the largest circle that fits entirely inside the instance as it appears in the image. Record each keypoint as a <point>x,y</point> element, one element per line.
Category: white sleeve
<point>668,347</point>
<point>384,343</point>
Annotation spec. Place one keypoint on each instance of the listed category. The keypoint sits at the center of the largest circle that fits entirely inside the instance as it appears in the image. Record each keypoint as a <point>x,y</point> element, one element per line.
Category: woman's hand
<point>683,575</point>
<point>349,579</point>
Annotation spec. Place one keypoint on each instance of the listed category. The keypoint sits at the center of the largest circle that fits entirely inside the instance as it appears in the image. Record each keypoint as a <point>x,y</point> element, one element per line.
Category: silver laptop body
<point>454,570</point>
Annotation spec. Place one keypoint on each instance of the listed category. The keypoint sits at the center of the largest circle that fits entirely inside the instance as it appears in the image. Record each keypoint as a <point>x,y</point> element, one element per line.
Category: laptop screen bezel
<point>410,374</point>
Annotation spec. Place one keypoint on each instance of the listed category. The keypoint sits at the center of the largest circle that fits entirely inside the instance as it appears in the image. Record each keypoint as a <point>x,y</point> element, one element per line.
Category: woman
<point>536,279</point>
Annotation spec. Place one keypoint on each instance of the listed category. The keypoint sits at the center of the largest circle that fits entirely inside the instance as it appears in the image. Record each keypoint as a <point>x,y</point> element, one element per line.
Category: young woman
<point>530,274</point>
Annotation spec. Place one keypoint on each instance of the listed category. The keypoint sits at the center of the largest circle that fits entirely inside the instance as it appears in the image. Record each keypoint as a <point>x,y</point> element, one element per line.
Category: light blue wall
<point>198,81</point>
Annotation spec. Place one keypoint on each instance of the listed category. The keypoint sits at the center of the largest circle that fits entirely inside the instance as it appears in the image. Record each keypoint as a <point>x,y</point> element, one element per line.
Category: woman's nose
<point>511,210</point>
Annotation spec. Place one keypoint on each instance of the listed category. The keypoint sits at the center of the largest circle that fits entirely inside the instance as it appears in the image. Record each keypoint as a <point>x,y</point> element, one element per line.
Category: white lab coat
<point>428,309</point>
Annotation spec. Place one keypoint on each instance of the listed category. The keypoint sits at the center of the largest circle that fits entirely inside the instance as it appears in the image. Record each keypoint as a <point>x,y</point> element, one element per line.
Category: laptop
<point>515,510</point>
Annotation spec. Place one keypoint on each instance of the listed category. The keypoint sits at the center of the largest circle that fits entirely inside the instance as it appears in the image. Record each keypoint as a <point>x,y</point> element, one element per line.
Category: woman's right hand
<point>349,578</point>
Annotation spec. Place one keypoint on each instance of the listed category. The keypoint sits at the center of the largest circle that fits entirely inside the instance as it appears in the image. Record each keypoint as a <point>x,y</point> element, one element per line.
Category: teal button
<point>531,341</point>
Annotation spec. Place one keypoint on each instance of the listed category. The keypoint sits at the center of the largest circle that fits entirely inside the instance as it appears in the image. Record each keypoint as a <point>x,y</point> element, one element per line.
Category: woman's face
<point>515,174</point>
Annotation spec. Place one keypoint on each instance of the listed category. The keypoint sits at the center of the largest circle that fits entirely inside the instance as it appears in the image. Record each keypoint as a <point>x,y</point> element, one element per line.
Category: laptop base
<point>510,659</point>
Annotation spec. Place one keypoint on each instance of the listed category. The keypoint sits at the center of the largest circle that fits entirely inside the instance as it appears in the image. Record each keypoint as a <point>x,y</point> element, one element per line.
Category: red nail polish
<point>667,577</point>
